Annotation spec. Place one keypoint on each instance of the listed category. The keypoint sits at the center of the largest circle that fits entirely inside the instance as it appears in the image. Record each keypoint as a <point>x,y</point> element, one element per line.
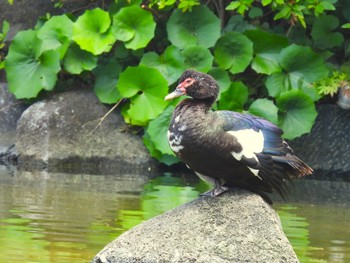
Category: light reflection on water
<point>70,217</point>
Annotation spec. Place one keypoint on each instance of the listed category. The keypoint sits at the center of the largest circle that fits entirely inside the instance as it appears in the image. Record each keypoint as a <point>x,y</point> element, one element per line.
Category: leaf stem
<point>105,116</point>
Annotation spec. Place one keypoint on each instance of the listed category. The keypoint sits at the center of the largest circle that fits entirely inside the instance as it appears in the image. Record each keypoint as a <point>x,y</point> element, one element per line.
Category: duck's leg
<point>218,187</point>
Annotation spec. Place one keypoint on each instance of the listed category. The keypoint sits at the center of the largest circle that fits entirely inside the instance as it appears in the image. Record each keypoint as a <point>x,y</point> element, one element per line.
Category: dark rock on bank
<point>234,227</point>
<point>327,147</point>
<point>10,111</point>
<point>26,13</point>
<point>63,134</point>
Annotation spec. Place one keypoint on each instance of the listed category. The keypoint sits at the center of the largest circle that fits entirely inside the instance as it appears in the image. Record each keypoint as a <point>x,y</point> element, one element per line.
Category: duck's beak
<point>179,91</point>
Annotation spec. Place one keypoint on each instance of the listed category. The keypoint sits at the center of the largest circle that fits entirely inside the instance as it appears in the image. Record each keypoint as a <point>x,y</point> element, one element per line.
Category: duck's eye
<point>189,81</point>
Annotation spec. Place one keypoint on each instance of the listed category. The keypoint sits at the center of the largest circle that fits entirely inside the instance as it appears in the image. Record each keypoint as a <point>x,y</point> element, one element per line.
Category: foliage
<point>3,34</point>
<point>331,85</point>
<point>271,58</point>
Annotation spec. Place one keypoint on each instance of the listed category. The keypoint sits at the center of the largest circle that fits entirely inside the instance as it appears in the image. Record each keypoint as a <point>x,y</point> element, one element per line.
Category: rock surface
<point>10,111</point>
<point>62,134</point>
<point>327,147</point>
<point>234,227</point>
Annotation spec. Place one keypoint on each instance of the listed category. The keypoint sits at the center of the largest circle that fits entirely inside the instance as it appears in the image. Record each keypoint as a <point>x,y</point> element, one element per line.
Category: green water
<point>47,217</point>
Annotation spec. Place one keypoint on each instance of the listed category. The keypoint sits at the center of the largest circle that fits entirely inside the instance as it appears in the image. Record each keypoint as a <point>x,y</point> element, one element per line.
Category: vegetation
<point>3,34</point>
<point>273,58</point>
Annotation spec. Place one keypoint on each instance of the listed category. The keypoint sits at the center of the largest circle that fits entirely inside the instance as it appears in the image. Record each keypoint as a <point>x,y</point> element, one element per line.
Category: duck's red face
<point>181,89</point>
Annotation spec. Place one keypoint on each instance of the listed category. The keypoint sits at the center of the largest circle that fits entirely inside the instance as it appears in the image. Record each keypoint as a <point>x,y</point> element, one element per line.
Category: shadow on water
<point>57,217</point>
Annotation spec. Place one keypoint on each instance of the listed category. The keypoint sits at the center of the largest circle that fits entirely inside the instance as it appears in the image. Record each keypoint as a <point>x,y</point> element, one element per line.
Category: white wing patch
<point>252,142</point>
<point>175,143</point>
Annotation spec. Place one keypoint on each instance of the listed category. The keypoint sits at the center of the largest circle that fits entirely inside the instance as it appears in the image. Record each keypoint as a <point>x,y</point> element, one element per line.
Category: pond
<point>57,217</point>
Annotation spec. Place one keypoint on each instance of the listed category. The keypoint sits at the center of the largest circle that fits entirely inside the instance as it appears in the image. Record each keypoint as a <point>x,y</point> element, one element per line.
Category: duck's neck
<point>202,105</point>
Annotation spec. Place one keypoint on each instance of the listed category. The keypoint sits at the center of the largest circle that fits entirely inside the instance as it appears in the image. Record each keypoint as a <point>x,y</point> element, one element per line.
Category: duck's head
<point>196,85</point>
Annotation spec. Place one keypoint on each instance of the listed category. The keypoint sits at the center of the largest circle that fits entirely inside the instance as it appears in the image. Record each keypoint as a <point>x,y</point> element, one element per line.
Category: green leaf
<point>28,70</point>
<point>297,113</point>
<point>146,88</point>
<point>5,30</point>
<point>277,83</point>
<point>266,2</point>
<point>327,6</point>
<point>234,98</point>
<point>264,108</point>
<point>157,130</point>
<point>267,48</point>
<point>346,26</point>
<point>233,51</point>
<point>233,5</point>
<point>302,64</point>
<point>171,63</point>
<point>285,13</point>
<point>134,26</point>
<point>92,31</point>
<point>198,58</point>
<point>199,27</point>
<point>77,60</point>
<point>323,35</point>
<point>222,77</point>
<point>238,24</point>
<point>56,33</point>
<point>301,67</point>
<point>167,159</point>
<point>106,79</point>
<point>185,5</point>
<point>255,12</point>
<point>346,10</point>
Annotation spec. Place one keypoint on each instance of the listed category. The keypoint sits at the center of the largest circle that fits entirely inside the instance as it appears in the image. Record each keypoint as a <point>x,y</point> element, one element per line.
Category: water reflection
<point>319,233</point>
<point>60,217</point>
<point>69,218</point>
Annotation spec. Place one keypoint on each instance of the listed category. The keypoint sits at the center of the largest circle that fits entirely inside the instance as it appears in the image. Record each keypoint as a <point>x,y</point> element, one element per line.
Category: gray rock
<point>62,134</point>
<point>234,227</point>
<point>327,147</point>
<point>26,13</point>
<point>10,111</point>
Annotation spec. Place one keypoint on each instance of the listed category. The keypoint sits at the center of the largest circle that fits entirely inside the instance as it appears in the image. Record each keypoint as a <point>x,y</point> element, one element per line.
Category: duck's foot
<point>218,190</point>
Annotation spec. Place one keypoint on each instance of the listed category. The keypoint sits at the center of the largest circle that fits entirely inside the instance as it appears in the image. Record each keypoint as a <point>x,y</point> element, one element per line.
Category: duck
<point>229,149</point>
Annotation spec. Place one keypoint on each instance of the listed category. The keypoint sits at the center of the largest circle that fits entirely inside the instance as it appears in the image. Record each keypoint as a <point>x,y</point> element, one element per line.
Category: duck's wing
<point>263,150</point>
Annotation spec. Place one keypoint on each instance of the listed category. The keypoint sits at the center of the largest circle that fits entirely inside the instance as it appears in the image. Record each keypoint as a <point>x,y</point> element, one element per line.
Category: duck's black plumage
<point>228,148</point>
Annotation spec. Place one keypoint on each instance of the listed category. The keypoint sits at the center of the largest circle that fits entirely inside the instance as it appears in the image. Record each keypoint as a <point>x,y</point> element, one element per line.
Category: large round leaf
<point>92,31</point>
<point>56,33</point>
<point>28,70</point>
<point>171,63</point>
<point>264,108</point>
<point>297,113</point>
<point>167,159</point>
<point>234,97</point>
<point>156,140</point>
<point>222,78</point>
<point>233,51</point>
<point>198,58</point>
<point>277,83</point>
<point>237,23</point>
<point>267,48</point>
<point>199,27</point>
<point>106,79</point>
<point>323,35</point>
<point>134,26</point>
<point>301,67</point>
<point>77,60</point>
<point>146,88</point>
<point>157,130</point>
<point>302,64</point>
